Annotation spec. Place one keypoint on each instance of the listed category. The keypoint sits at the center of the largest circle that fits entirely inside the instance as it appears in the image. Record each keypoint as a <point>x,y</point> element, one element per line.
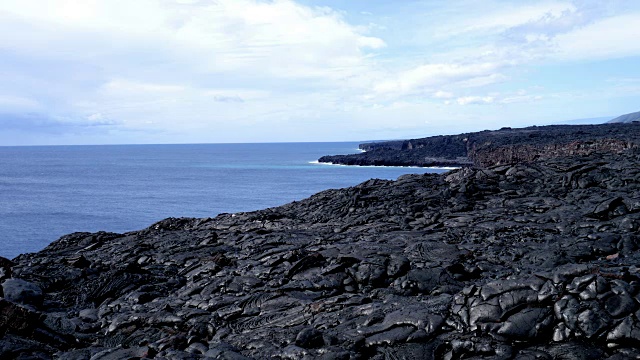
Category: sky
<point>218,71</point>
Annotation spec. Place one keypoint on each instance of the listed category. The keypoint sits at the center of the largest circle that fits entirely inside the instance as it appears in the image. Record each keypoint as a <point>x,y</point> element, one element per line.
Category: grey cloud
<point>39,123</point>
<point>228,99</point>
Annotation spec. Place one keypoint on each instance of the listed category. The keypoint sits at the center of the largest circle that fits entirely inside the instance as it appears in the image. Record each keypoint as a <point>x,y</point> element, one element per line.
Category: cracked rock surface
<point>534,260</point>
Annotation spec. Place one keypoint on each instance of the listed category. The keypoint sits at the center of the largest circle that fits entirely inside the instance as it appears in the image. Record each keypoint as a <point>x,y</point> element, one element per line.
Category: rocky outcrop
<point>428,152</point>
<point>533,260</point>
<point>504,146</point>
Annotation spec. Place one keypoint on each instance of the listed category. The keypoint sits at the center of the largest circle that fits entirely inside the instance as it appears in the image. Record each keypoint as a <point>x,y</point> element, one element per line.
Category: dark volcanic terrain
<point>533,258</point>
<point>504,146</point>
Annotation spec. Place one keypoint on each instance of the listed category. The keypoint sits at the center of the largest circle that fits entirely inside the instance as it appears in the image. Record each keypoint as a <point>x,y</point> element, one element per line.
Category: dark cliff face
<point>529,153</point>
<point>433,151</point>
<point>530,260</point>
<point>510,146</point>
<point>504,146</point>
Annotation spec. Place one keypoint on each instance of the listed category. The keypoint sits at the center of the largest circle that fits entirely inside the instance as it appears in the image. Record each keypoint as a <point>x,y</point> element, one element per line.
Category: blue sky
<point>205,71</point>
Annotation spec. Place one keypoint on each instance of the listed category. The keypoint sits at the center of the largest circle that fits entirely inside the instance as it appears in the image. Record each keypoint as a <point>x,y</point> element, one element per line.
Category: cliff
<point>504,146</point>
<point>537,259</point>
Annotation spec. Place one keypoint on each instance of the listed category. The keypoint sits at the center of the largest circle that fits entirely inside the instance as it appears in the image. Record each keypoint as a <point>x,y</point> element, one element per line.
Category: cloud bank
<point>114,71</point>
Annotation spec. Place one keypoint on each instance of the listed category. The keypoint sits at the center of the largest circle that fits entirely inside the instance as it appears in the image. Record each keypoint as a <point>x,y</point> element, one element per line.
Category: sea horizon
<point>205,143</point>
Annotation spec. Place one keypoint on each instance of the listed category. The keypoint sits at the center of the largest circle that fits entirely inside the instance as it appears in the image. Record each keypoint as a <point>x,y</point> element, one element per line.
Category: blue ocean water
<point>49,191</point>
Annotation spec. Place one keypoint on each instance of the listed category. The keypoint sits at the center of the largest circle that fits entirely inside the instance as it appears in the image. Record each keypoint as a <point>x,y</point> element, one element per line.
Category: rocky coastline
<point>529,251</point>
<point>504,146</point>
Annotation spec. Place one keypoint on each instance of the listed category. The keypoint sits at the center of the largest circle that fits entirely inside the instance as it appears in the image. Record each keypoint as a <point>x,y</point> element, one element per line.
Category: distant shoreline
<point>504,146</point>
<point>316,162</point>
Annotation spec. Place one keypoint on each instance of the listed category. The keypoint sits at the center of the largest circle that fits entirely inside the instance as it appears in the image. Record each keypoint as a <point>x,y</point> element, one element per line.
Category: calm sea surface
<point>49,191</point>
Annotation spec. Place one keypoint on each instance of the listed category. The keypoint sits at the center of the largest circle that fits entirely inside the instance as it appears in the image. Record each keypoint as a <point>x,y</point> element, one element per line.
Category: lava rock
<point>22,292</point>
<point>530,253</point>
<point>16,319</point>
<point>5,268</point>
<point>309,338</point>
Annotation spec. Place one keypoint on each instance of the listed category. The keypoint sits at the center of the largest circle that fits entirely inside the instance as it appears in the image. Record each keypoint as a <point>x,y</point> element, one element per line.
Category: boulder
<point>22,292</point>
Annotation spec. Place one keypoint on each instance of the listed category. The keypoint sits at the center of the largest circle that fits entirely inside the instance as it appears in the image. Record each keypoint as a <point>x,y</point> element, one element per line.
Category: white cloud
<point>185,64</point>
<point>481,81</point>
<point>485,45</point>
<point>608,38</point>
<point>244,94</point>
<point>132,87</point>
<point>518,34</point>
<point>442,94</point>
<point>496,17</point>
<point>18,103</point>
<point>218,68</point>
<point>279,38</point>
<point>478,100</point>
<point>429,76</point>
<point>95,117</point>
<point>520,96</point>
<point>520,99</point>
<point>521,14</point>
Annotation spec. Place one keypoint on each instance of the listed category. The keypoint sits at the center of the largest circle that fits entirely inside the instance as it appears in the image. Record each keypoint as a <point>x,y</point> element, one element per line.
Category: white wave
<point>316,162</point>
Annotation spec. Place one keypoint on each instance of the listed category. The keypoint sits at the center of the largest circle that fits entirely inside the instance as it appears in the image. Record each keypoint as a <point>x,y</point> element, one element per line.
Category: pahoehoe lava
<point>520,255</point>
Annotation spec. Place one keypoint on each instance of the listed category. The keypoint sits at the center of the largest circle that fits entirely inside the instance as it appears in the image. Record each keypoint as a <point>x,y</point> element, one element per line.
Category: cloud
<point>517,34</point>
<point>202,70</point>
<point>477,100</point>
<point>280,38</point>
<point>508,16</point>
<point>237,94</point>
<point>42,123</point>
<point>429,76</point>
<point>228,99</point>
<point>131,87</point>
<point>544,25</point>
<point>188,61</point>
<point>575,32</point>
<point>520,99</point>
<point>608,38</point>
<point>485,45</point>
<point>18,103</point>
<point>442,95</point>
<point>520,96</point>
<point>480,81</point>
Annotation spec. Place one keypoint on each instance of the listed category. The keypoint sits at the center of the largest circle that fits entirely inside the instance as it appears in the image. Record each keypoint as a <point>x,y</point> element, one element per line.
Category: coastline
<point>124,188</point>
<point>486,148</point>
<point>316,162</point>
<point>479,261</point>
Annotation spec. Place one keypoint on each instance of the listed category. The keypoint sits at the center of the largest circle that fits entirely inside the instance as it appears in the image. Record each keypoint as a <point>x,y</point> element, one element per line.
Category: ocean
<point>49,191</point>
